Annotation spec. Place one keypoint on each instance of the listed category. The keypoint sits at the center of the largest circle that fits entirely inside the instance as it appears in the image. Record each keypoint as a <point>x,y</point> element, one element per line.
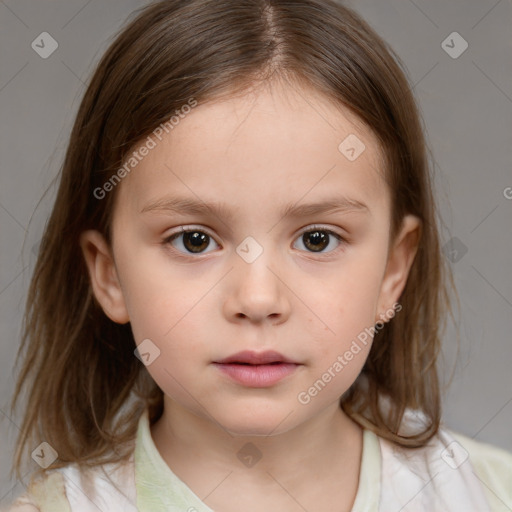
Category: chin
<point>254,425</point>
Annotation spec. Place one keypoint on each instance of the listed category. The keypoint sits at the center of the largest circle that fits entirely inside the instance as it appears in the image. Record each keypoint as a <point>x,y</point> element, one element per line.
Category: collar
<point>160,490</point>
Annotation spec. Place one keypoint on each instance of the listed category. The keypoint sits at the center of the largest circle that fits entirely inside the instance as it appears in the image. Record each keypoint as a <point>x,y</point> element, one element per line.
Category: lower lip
<point>257,376</point>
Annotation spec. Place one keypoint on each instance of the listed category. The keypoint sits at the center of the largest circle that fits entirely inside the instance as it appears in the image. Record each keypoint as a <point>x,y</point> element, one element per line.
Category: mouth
<point>257,370</point>
<point>248,357</point>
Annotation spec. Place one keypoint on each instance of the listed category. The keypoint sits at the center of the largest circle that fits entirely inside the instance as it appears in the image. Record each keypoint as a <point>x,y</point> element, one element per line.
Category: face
<point>293,256</point>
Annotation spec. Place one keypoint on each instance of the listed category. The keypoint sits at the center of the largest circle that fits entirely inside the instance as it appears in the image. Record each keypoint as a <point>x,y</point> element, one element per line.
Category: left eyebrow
<point>340,204</point>
<point>184,205</point>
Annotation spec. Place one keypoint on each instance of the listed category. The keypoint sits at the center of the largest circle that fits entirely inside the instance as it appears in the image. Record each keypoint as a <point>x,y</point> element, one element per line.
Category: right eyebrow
<point>185,205</point>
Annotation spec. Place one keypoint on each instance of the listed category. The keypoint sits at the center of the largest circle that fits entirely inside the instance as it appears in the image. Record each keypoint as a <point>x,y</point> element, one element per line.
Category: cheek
<point>346,304</point>
<point>340,351</point>
<point>169,311</point>
<point>180,340</point>
<point>156,299</point>
<point>348,298</point>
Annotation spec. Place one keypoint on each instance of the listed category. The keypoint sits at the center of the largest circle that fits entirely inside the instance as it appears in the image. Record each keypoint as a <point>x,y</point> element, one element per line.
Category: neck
<point>200,452</point>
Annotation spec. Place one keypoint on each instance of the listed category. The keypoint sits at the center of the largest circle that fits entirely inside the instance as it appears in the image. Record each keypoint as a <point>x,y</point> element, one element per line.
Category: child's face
<point>307,298</point>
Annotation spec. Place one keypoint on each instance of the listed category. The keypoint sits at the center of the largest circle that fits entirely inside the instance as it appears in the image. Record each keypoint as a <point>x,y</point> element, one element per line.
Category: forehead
<point>257,148</point>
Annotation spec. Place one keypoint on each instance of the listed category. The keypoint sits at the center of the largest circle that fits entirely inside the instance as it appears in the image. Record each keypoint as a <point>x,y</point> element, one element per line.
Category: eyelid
<point>319,227</point>
<point>191,227</point>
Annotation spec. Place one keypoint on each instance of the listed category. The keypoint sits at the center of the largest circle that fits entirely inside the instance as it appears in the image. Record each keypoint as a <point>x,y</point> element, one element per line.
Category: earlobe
<point>400,260</point>
<point>103,275</point>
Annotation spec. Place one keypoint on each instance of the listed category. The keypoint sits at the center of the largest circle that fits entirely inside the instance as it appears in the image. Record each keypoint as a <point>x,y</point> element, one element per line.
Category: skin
<point>258,152</point>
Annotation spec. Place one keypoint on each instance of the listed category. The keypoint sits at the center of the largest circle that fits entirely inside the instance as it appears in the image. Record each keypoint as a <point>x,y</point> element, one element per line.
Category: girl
<point>246,199</point>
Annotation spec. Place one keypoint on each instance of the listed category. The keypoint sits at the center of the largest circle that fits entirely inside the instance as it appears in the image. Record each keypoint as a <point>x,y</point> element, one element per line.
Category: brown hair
<point>86,389</point>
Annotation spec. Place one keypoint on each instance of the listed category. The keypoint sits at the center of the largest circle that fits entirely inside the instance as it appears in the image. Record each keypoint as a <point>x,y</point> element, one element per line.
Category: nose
<point>257,291</point>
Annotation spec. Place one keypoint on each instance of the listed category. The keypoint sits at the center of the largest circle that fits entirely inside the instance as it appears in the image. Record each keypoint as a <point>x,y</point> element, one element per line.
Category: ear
<point>400,258</point>
<point>103,274</point>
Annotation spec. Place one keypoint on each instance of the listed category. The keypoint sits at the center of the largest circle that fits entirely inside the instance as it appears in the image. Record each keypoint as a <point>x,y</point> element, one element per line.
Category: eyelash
<point>191,229</point>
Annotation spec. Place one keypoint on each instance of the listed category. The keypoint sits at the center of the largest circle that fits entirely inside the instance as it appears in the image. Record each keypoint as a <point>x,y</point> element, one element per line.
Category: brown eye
<point>317,240</point>
<point>191,241</point>
<point>195,241</point>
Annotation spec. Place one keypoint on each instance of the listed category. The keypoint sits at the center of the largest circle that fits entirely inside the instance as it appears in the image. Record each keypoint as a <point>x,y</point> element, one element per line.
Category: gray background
<point>467,107</point>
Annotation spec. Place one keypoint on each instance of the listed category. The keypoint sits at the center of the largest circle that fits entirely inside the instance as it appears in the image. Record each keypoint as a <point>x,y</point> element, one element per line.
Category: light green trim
<point>493,467</point>
<point>49,493</point>
<point>368,491</point>
<point>158,488</point>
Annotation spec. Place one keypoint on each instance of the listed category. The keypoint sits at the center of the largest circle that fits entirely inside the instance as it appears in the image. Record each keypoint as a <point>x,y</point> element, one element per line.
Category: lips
<point>249,357</point>
<point>257,369</point>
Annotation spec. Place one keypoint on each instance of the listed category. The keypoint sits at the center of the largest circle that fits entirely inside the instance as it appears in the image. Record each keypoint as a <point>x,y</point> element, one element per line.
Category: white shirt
<point>451,473</point>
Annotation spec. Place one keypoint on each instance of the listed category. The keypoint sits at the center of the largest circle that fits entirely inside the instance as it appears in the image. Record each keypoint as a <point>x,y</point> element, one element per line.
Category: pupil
<point>195,241</point>
<point>318,240</point>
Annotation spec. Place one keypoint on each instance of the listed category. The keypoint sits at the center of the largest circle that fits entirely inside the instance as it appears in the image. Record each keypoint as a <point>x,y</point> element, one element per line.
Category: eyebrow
<point>184,205</point>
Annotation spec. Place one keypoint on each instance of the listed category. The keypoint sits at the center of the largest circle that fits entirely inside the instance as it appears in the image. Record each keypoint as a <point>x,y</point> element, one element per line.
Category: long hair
<point>85,390</point>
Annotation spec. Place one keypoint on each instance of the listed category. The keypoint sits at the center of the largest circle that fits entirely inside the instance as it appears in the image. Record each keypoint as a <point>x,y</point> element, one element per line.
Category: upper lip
<point>250,357</point>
